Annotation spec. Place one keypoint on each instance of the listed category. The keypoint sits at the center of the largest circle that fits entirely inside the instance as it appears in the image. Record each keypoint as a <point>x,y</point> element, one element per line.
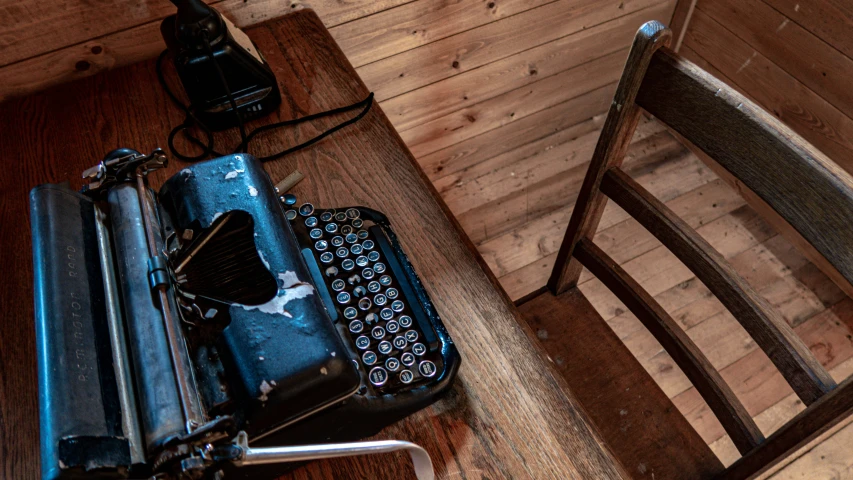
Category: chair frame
<point>761,154</point>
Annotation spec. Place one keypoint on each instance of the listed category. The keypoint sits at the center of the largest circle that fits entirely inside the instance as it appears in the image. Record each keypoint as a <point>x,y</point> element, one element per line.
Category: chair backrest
<point>770,163</point>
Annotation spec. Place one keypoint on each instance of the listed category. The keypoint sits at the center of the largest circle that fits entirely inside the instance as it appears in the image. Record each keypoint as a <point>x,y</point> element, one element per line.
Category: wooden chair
<point>777,168</point>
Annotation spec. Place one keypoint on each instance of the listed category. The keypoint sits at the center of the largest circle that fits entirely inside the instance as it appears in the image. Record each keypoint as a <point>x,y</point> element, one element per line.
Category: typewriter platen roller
<point>180,332</point>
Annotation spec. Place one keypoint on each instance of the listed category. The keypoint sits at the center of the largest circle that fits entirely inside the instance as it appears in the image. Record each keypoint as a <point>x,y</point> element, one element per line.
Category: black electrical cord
<point>208,150</point>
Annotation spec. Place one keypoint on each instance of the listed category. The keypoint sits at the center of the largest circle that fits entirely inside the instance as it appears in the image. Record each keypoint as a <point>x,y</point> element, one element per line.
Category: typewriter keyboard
<point>370,295</point>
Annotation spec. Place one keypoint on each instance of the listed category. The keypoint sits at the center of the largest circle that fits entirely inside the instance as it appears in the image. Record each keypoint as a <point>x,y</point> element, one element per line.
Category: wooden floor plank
<point>505,174</point>
<point>396,30</point>
<point>473,86</point>
<point>513,105</point>
<point>572,119</point>
<point>624,240</point>
<point>474,48</point>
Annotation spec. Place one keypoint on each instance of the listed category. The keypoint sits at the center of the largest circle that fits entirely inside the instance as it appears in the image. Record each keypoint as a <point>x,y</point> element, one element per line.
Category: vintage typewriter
<point>209,330</point>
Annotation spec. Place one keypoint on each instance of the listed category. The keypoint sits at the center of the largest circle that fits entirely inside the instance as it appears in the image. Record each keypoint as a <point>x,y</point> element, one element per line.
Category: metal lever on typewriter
<point>240,454</point>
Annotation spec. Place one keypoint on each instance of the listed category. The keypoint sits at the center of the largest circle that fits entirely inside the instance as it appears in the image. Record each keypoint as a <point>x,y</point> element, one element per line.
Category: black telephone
<point>211,318</point>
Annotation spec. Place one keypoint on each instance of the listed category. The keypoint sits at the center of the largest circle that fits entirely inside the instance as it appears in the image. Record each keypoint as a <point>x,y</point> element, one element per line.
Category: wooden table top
<point>509,415</point>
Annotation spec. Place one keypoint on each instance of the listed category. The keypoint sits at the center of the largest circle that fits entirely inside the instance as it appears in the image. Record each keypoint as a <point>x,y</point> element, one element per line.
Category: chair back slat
<point>734,418</point>
<point>802,185</point>
<point>770,331</point>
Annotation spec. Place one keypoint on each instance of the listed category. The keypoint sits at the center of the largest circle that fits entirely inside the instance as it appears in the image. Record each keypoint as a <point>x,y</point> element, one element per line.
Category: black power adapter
<point>222,71</point>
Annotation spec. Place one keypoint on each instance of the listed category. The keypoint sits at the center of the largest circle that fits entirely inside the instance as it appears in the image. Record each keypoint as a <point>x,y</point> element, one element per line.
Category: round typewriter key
<point>386,314</point>
<point>378,299</point>
<point>327,257</point>
<point>427,368</point>
<point>362,342</point>
<point>311,222</point>
<point>407,358</point>
<point>405,321</point>
<point>341,217</point>
<point>331,272</point>
<point>392,364</point>
<point>348,264</point>
<point>400,342</point>
<point>392,327</point>
<point>350,313</point>
<point>356,249</point>
<point>384,280</point>
<point>354,279</point>
<point>369,358</point>
<point>397,305</point>
<point>391,293</point>
<point>290,214</point>
<point>377,332</point>
<point>332,227</point>
<point>371,318</point>
<point>364,303</point>
<point>346,229</point>
<point>368,244</point>
<point>406,376</point>
<point>379,267</point>
<point>342,252</point>
<point>343,297</point>
<point>362,234</point>
<point>373,286</point>
<point>368,273</point>
<point>337,241</point>
<point>338,284</point>
<point>351,238</point>
<point>361,261</point>
<point>357,222</point>
<point>315,233</point>
<point>306,209</point>
<point>321,245</point>
<point>356,326</point>
<point>411,335</point>
<point>419,349</point>
<point>385,347</point>
<point>373,256</point>
<point>378,376</point>
<point>352,213</point>
<point>360,292</point>
<point>326,216</point>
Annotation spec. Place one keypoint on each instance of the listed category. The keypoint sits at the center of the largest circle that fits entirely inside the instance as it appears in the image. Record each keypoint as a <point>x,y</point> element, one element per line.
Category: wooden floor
<point>515,204</point>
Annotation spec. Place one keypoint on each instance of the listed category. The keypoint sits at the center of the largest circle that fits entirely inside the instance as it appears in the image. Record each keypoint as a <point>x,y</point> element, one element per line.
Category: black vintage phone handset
<point>228,82</point>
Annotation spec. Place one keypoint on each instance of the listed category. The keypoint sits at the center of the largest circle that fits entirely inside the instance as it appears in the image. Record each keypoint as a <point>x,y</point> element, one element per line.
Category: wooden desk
<point>508,416</point>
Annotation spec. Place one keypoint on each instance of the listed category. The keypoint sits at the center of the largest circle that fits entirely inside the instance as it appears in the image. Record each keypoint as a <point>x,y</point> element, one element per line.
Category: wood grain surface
<point>812,193</point>
<point>695,365</point>
<point>509,414</point>
<point>646,432</point>
<point>764,324</point>
<point>609,152</point>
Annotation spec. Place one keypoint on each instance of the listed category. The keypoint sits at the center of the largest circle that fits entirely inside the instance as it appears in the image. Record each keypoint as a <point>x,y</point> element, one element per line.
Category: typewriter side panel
<point>79,408</point>
<point>283,358</point>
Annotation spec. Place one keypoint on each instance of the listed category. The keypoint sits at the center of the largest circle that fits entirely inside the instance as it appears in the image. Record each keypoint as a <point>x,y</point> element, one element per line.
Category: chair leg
<point>610,150</point>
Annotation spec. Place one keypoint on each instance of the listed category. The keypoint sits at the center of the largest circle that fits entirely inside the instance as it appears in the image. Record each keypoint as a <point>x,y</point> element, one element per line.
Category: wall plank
<point>803,55</point>
<point>799,107</point>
